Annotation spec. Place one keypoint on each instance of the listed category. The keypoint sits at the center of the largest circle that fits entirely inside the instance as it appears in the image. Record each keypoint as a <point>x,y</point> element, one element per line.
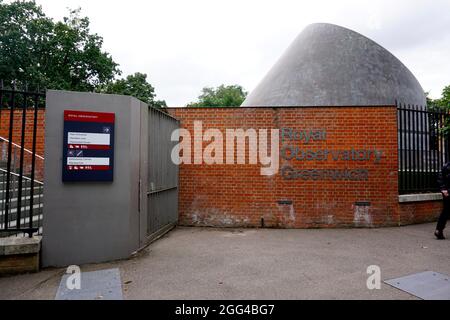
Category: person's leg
<point>442,222</point>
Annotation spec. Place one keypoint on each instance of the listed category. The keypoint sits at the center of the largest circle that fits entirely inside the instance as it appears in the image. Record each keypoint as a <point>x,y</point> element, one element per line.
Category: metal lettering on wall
<point>293,151</point>
<point>88,149</point>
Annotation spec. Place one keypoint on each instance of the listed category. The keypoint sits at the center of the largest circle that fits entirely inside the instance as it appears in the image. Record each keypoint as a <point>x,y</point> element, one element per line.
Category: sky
<point>185,45</point>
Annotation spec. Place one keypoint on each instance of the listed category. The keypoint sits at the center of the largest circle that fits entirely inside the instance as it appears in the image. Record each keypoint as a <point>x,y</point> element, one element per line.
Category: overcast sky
<point>185,45</point>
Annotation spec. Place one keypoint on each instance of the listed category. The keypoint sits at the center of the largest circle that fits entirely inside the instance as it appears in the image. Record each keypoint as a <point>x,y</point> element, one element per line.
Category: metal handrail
<point>24,177</point>
<point>19,146</point>
<point>161,190</point>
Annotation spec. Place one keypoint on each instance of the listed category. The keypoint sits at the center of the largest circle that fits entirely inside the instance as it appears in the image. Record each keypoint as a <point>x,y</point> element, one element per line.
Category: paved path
<point>202,263</point>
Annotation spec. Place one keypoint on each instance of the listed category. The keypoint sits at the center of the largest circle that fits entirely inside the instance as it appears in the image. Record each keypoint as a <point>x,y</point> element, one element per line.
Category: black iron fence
<point>21,168</point>
<point>423,147</point>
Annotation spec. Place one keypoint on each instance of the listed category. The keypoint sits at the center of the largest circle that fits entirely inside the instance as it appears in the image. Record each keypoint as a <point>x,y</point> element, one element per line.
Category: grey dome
<point>328,65</point>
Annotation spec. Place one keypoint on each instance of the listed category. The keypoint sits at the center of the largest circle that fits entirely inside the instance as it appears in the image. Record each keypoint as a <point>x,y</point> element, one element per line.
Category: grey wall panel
<point>91,222</point>
<point>87,222</point>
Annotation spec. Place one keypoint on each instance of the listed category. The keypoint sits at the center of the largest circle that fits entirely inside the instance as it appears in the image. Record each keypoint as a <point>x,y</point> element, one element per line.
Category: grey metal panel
<point>95,285</point>
<point>162,172</point>
<point>97,222</point>
<point>426,285</point>
<point>143,175</point>
<point>162,209</point>
<point>91,222</point>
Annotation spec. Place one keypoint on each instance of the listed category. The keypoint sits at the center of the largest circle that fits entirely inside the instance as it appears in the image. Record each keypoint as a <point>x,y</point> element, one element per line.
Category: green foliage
<point>37,51</point>
<point>62,55</point>
<point>24,34</point>
<point>222,96</point>
<point>444,101</point>
<point>441,105</point>
<point>134,85</point>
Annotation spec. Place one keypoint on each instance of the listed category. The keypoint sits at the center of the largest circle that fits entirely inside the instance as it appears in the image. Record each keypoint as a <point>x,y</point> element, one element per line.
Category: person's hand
<point>445,193</point>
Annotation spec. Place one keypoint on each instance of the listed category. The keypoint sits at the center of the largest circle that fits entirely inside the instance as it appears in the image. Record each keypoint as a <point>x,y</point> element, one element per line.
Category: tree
<point>62,55</point>
<point>134,85</point>
<point>222,96</point>
<point>37,51</point>
<point>444,101</point>
<point>443,105</point>
<point>24,38</point>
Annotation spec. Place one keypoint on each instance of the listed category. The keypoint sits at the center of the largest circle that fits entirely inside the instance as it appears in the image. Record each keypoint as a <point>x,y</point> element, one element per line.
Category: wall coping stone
<point>16,246</point>
<point>407,198</point>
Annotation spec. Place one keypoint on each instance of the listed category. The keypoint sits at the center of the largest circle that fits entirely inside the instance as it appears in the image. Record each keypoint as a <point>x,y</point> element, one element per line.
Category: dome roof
<point>328,65</point>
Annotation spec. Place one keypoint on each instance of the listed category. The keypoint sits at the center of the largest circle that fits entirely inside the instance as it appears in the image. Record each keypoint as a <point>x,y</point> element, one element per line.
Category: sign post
<point>88,150</point>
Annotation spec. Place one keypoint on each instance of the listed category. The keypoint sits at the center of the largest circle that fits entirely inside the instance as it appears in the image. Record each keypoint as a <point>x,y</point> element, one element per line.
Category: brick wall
<point>419,212</point>
<point>17,139</point>
<point>17,128</point>
<point>238,195</point>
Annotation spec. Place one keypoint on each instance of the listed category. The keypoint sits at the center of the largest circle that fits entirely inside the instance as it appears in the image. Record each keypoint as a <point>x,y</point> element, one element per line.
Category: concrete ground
<point>203,263</point>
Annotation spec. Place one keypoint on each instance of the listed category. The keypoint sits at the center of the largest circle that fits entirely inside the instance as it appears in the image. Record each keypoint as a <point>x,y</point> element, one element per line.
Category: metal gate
<point>162,192</point>
<point>423,144</point>
<point>21,161</point>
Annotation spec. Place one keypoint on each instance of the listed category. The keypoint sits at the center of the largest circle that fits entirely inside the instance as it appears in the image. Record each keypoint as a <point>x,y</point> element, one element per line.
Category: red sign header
<point>84,116</point>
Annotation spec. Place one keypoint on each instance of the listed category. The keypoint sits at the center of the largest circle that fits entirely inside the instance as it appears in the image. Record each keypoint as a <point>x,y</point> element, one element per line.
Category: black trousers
<point>445,215</point>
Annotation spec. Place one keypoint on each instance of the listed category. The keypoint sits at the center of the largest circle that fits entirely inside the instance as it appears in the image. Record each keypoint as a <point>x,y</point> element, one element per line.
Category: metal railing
<point>27,159</point>
<point>31,195</point>
<point>423,146</point>
<point>21,169</point>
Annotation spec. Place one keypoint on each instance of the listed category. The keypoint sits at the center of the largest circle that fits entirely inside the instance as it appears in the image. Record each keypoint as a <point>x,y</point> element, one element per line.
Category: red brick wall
<point>237,195</point>
<point>17,128</point>
<point>419,212</point>
<point>17,139</point>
